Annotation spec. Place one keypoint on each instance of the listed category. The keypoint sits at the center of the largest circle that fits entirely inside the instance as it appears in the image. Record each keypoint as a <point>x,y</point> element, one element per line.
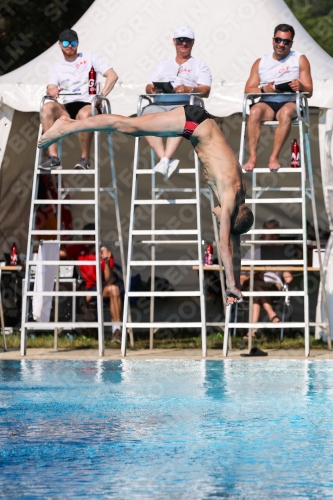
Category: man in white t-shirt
<point>187,75</point>
<point>283,66</point>
<point>71,76</point>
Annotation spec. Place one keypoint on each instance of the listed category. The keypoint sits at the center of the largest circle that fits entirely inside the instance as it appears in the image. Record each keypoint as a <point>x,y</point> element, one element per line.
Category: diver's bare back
<point>220,165</point>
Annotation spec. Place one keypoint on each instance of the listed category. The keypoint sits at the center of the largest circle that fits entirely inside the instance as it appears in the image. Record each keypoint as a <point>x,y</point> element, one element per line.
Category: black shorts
<point>73,108</point>
<point>276,106</point>
<point>194,115</point>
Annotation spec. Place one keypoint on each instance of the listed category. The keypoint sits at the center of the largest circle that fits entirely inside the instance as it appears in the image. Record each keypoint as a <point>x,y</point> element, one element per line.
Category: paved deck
<point>145,354</point>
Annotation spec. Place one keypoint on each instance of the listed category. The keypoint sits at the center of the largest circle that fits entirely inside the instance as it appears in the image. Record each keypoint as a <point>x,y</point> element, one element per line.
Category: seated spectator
<point>71,75</point>
<point>88,274</point>
<point>265,281</point>
<point>286,66</point>
<point>187,75</point>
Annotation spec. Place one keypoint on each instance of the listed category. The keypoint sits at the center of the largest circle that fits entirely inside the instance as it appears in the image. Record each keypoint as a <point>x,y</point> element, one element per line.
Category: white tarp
<point>133,35</point>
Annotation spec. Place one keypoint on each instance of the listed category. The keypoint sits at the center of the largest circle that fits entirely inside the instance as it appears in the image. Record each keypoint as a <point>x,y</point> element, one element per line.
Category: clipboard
<point>166,87</point>
<point>284,87</point>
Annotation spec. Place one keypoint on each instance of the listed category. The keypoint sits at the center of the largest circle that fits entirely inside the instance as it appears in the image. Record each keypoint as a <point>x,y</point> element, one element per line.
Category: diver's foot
<point>250,165</point>
<point>55,132</point>
<point>274,165</point>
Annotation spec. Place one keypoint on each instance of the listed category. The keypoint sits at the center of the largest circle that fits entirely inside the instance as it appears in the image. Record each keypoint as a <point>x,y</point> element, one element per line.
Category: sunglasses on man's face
<point>182,39</point>
<point>285,41</point>
<point>65,43</point>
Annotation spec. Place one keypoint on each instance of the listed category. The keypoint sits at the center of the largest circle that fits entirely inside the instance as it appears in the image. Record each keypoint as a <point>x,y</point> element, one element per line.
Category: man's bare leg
<point>112,292</point>
<point>167,124</point>
<point>51,112</point>
<point>260,112</point>
<point>284,115</point>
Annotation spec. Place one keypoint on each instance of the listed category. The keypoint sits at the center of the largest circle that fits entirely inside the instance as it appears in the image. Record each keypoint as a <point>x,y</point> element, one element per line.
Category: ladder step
<point>270,242</point>
<point>168,242</point>
<point>282,170</point>
<point>67,172</point>
<point>249,262</point>
<point>164,263</point>
<point>275,231</point>
<point>62,262</point>
<point>63,294</point>
<point>163,232</point>
<point>86,190</point>
<point>149,171</point>
<point>59,324</point>
<point>285,188</point>
<point>164,325</point>
<point>191,201</point>
<point>274,294</point>
<point>64,242</point>
<point>278,325</point>
<point>165,294</point>
<point>174,190</point>
<point>273,200</point>
<point>62,232</point>
<point>64,202</point>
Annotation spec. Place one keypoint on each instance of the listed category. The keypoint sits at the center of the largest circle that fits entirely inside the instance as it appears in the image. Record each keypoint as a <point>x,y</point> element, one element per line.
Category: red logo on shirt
<point>282,70</point>
<point>81,63</point>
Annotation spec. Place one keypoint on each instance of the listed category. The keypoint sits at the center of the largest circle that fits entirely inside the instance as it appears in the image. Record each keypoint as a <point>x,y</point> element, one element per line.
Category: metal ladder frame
<point>153,232</point>
<point>303,123</point>
<point>62,192</point>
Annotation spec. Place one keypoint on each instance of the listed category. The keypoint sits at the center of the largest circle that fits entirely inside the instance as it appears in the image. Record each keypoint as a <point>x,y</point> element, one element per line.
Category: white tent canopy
<point>133,35</point>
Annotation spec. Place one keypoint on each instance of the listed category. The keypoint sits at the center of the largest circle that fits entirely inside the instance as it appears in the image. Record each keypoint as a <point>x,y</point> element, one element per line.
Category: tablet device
<point>284,87</point>
<point>166,87</point>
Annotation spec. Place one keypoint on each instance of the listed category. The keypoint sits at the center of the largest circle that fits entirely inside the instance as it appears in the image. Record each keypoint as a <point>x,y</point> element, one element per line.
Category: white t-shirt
<point>73,76</point>
<point>269,277</point>
<point>271,70</point>
<point>191,73</point>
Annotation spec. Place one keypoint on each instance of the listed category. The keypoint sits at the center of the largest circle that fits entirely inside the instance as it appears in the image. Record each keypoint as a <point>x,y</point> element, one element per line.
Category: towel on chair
<point>44,281</point>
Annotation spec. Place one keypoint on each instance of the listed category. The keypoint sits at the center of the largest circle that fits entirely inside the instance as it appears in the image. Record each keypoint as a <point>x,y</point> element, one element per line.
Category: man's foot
<point>249,166</point>
<point>275,319</point>
<point>274,165</point>
<point>162,168</point>
<point>173,164</point>
<point>116,336</point>
<point>82,164</point>
<point>51,162</point>
<point>55,132</point>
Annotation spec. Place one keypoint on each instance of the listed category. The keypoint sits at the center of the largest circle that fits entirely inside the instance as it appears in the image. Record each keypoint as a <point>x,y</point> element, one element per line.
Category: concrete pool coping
<point>155,354</point>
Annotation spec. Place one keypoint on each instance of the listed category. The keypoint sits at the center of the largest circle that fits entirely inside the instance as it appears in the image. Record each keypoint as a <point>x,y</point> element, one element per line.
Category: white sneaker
<point>162,168</point>
<point>173,164</point>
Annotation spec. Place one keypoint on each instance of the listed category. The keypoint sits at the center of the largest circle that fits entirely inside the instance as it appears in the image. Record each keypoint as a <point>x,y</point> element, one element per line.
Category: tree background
<point>37,24</point>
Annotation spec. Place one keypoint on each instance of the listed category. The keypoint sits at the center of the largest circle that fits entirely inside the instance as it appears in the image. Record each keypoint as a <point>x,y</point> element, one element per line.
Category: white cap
<point>185,31</point>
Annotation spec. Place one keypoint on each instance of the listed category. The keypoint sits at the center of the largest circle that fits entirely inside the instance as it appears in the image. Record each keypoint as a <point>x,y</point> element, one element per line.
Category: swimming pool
<point>166,429</point>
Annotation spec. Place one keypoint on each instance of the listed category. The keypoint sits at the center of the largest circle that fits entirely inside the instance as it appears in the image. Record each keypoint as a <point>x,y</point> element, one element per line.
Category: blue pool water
<point>166,429</point>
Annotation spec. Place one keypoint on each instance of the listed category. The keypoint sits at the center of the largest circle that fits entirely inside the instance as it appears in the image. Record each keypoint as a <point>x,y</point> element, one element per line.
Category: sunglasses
<point>65,43</point>
<point>182,39</point>
<point>285,41</point>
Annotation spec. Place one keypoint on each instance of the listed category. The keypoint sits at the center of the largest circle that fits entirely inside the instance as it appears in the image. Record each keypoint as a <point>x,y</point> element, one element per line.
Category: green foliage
<point>317,18</point>
<point>29,27</point>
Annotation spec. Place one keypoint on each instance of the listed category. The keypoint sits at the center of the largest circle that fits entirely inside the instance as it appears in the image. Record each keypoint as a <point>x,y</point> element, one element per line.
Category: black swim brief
<point>194,115</point>
<point>73,108</point>
<point>276,106</point>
